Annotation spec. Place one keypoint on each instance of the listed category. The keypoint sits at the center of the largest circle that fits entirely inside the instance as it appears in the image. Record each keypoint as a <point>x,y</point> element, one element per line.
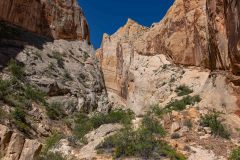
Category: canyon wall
<point>56,19</point>
<point>232,16</point>
<point>200,33</point>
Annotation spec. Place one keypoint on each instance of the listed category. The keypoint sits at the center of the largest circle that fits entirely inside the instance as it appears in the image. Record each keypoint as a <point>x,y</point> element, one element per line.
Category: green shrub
<point>51,156</point>
<point>19,119</point>
<point>183,90</point>
<point>235,154</point>
<point>67,75</point>
<point>140,143</point>
<point>152,126</point>
<point>19,115</point>
<point>116,116</point>
<point>180,105</point>
<point>16,70</point>
<point>85,124</point>
<point>58,57</point>
<point>212,120</point>
<point>55,111</point>
<point>85,55</point>
<point>33,93</point>
<point>50,142</point>
<point>4,88</point>
<point>156,110</point>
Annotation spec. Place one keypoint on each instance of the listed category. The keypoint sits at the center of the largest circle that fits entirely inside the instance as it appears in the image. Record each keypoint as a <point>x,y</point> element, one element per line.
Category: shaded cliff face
<point>56,19</point>
<point>232,16</point>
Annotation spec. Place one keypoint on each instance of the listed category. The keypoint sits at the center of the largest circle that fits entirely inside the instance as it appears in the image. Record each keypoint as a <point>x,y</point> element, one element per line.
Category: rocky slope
<point>56,19</point>
<point>68,75</point>
<point>45,81</point>
<point>195,45</point>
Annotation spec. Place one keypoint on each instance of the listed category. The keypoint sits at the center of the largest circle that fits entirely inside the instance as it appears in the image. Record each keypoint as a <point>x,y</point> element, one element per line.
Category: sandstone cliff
<point>55,19</point>
<point>193,33</point>
<point>232,16</point>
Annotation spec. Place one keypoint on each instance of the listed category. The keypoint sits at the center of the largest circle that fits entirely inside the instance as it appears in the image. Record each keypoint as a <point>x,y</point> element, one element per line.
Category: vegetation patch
<point>145,142</point>
<point>55,111</point>
<point>180,105</point>
<point>183,90</point>
<point>50,143</point>
<point>212,120</point>
<point>85,124</point>
<point>67,76</point>
<point>58,57</point>
<point>235,154</point>
<point>19,119</point>
<point>16,70</point>
<point>33,93</point>
<point>18,93</point>
<point>85,55</point>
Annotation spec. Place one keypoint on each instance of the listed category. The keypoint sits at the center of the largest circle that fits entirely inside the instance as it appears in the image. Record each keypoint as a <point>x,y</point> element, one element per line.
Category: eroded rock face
<point>232,16</point>
<point>193,33</point>
<point>69,73</point>
<point>57,19</point>
<point>14,146</point>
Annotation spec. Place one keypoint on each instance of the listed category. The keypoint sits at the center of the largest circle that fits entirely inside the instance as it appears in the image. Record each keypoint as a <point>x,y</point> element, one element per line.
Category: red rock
<point>57,19</point>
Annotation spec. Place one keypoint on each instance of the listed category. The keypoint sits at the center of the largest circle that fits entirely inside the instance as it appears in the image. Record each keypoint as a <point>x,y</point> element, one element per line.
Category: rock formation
<point>193,33</point>
<point>232,16</point>
<point>14,146</point>
<point>56,19</point>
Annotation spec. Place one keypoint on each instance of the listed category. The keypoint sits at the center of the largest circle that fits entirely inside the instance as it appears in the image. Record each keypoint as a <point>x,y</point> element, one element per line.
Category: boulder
<point>31,150</point>
<point>15,147</point>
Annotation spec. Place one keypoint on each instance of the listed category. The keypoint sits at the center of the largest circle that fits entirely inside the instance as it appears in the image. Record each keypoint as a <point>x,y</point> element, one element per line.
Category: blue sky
<point>107,16</point>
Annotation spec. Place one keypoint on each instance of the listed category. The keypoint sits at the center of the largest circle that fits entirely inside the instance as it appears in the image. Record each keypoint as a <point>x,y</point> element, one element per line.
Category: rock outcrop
<point>232,17</point>
<point>14,146</point>
<point>56,19</point>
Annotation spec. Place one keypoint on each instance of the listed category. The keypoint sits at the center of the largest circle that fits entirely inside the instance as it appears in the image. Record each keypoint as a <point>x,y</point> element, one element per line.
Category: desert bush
<point>4,88</point>
<point>33,93</point>
<point>67,76</point>
<point>152,126</point>
<point>55,111</point>
<point>85,55</point>
<point>58,57</point>
<point>85,124</point>
<point>235,154</point>
<point>50,142</point>
<point>16,70</point>
<point>140,143</point>
<point>180,105</point>
<point>212,120</point>
<point>18,116</point>
<point>156,110</point>
<point>183,90</point>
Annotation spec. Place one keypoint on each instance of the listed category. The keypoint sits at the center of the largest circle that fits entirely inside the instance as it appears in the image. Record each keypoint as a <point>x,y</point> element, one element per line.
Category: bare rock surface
<point>14,146</point>
<point>56,19</point>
